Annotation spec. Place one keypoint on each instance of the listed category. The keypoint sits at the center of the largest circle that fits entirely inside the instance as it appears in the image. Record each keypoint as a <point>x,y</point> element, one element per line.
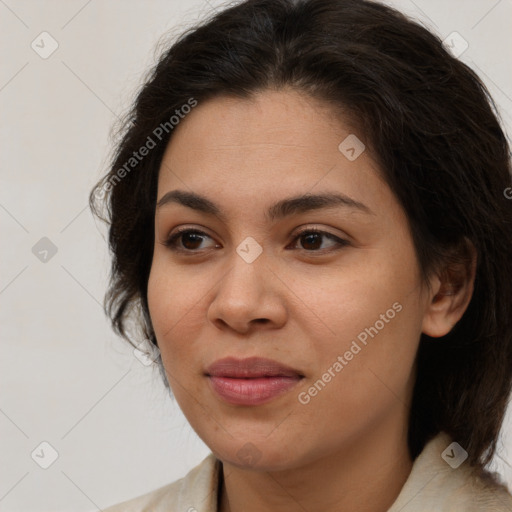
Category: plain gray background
<point>65,378</point>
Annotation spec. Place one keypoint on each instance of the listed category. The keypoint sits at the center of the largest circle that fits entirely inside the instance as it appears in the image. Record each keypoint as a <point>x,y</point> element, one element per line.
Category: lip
<point>251,381</point>
<point>252,367</point>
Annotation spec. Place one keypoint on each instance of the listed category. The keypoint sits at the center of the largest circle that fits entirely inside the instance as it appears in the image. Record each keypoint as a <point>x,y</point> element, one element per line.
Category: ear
<point>451,291</point>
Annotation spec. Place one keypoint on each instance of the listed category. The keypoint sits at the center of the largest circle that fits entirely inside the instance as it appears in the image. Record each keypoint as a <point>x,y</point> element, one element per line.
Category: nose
<point>250,296</point>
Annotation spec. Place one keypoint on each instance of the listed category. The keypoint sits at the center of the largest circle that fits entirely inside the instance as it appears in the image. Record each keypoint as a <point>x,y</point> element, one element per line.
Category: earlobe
<point>451,292</point>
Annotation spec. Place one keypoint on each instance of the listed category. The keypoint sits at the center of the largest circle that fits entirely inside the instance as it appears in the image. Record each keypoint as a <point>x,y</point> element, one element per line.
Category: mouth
<point>252,381</point>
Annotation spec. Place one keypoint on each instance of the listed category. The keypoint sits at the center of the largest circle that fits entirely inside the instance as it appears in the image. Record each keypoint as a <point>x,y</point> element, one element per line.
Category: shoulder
<point>440,481</point>
<point>195,492</point>
<point>483,491</point>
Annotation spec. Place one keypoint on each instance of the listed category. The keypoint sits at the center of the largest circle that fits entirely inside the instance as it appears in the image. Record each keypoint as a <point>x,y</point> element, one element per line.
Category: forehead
<point>262,147</point>
<point>285,117</point>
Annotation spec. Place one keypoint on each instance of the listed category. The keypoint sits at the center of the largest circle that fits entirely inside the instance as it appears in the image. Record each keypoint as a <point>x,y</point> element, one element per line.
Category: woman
<point>308,211</point>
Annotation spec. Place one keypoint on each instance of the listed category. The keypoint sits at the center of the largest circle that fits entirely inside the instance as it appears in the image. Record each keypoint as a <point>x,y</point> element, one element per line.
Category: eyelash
<point>172,245</point>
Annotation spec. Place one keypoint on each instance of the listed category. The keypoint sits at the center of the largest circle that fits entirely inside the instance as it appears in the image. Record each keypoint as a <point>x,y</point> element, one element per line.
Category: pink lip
<point>251,381</point>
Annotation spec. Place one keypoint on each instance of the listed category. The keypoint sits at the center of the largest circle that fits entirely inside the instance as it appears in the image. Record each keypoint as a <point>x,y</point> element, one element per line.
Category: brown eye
<point>311,240</point>
<point>191,240</point>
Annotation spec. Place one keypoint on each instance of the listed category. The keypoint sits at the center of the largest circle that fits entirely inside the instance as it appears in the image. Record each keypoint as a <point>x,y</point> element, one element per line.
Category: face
<point>342,305</point>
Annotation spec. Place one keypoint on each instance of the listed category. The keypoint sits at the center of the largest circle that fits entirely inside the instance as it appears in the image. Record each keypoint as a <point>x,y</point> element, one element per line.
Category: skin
<point>300,302</point>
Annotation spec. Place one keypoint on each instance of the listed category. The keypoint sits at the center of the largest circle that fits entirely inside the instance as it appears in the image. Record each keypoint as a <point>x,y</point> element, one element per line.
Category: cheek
<point>161,301</point>
<point>371,317</point>
<point>365,372</point>
<point>167,308</point>
<point>353,296</point>
<point>177,311</point>
<point>171,296</point>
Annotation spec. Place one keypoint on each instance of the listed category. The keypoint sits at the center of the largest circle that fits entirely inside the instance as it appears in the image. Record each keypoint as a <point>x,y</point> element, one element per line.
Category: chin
<point>254,455</point>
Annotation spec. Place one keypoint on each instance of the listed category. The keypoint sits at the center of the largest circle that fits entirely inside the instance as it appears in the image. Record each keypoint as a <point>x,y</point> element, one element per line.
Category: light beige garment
<point>432,486</point>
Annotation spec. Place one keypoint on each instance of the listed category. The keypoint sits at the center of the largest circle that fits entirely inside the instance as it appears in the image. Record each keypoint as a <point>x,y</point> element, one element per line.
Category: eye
<point>312,238</point>
<point>191,240</point>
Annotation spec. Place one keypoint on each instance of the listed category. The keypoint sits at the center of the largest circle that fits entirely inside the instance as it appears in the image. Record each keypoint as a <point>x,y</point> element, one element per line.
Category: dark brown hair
<point>428,121</point>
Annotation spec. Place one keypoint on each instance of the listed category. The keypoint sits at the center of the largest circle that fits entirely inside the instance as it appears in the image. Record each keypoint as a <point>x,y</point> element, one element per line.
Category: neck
<point>365,474</point>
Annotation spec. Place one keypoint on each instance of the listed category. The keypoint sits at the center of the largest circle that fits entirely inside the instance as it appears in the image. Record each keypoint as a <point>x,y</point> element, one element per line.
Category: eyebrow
<point>281,209</point>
